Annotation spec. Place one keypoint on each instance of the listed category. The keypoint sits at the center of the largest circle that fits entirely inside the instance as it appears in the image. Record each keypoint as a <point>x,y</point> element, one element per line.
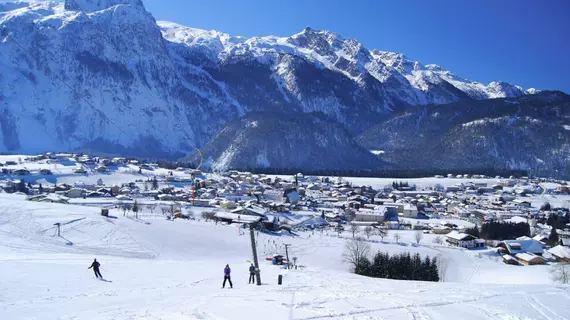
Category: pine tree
<point>417,273</point>
<point>364,267</point>
<point>426,267</point>
<point>553,237</point>
<point>22,186</point>
<point>434,273</point>
<point>473,231</point>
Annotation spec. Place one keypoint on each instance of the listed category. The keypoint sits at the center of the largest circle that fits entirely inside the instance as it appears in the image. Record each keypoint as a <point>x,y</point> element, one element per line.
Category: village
<point>525,221</point>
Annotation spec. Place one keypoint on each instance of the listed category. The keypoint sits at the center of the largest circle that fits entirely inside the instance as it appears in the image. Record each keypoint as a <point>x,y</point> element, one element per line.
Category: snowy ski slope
<point>173,270</point>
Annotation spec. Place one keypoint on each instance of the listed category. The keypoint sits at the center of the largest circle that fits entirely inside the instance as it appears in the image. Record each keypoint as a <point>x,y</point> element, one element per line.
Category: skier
<point>252,274</point>
<point>227,277</point>
<point>95,265</point>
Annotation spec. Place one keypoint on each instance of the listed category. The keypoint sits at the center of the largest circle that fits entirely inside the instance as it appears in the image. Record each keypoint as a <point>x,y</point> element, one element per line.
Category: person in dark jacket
<point>252,274</point>
<point>227,276</point>
<point>95,265</point>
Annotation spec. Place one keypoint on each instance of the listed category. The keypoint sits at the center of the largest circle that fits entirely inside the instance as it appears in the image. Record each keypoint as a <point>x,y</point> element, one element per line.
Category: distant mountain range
<point>104,76</point>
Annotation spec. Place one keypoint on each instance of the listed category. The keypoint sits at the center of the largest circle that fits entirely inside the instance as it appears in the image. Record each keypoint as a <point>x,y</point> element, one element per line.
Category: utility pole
<point>287,254</point>
<point>57,225</point>
<point>254,250</point>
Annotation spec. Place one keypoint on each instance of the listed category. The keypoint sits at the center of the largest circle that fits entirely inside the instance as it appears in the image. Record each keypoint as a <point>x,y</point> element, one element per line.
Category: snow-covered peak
<point>215,40</point>
<point>500,89</point>
<point>532,91</point>
<point>98,5</point>
<point>309,32</point>
<point>435,67</point>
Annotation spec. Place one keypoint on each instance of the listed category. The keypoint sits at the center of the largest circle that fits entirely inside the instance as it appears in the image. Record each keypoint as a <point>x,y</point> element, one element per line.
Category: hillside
<point>530,133</point>
<point>173,269</point>
<point>285,141</point>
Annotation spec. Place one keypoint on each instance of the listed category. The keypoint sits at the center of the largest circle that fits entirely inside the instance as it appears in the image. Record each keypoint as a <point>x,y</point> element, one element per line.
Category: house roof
<point>531,246</point>
<point>560,252</point>
<point>252,209</point>
<point>237,217</point>
<point>460,236</point>
<point>516,219</point>
<point>527,256</point>
<point>540,237</point>
<point>508,257</point>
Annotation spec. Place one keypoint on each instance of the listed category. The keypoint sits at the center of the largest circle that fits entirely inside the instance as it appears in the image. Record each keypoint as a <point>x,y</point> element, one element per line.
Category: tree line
<point>386,173</point>
<point>402,266</point>
<point>501,230</point>
<point>372,173</point>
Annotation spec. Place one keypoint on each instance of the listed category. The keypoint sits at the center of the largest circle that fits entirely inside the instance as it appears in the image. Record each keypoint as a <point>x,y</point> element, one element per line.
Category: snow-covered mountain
<point>262,140</point>
<point>103,75</point>
<point>529,133</point>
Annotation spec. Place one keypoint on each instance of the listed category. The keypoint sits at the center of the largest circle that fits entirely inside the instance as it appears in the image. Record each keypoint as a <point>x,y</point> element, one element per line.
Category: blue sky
<point>520,41</point>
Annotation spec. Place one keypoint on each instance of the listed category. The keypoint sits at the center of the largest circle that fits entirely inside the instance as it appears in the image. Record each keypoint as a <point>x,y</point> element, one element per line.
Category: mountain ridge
<point>105,76</point>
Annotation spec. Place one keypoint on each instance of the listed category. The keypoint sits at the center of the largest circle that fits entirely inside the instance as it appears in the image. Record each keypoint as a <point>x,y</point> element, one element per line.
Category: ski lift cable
<point>81,96</point>
<point>106,38</point>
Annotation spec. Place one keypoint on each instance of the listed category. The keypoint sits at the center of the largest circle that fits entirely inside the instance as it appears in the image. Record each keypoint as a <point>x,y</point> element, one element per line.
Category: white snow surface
<point>173,270</point>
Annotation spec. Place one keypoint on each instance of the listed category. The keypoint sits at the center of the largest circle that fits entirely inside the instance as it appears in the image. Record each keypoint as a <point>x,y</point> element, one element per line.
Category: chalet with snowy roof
<point>508,259</point>
<point>513,247</point>
<point>231,217</point>
<point>560,253</point>
<point>379,214</point>
<point>464,240</point>
<point>530,259</point>
<point>250,210</point>
<point>54,198</point>
<point>75,193</point>
<point>522,203</point>
<point>290,195</point>
<point>541,237</point>
<point>21,172</point>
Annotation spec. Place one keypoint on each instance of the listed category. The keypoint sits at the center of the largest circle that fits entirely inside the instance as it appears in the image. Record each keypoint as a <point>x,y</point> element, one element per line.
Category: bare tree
<point>560,273</point>
<point>438,240</point>
<point>368,231</point>
<point>354,229</point>
<point>126,207</point>
<point>349,214</point>
<point>355,253</point>
<point>209,215</point>
<point>419,236</point>
<point>339,229</point>
<point>397,237</point>
<point>382,233</point>
<point>151,207</point>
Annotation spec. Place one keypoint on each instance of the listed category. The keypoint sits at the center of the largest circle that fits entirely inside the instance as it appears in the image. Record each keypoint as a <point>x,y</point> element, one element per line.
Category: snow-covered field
<point>173,270</point>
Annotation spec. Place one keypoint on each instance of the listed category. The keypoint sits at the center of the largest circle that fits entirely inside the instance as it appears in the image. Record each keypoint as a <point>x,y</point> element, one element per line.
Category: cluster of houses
<point>306,200</point>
